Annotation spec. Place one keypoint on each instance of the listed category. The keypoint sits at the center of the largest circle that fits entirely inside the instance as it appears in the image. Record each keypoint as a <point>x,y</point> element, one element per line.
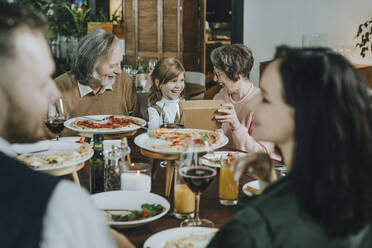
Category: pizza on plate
<point>195,239</point>
<point>181,139</point>
<point>55,159</point>
<point>114,122</point>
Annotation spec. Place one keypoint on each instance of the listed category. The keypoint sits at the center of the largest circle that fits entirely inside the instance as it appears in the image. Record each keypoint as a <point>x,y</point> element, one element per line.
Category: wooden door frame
<point>203,19</point>
<point>180,29</point>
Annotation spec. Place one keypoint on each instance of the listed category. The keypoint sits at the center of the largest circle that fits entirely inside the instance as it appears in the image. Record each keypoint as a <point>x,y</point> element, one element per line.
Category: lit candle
<point>135,181</point>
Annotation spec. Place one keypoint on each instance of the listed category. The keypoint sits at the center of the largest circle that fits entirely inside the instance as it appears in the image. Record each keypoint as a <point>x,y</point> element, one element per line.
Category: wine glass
<point>152,63</point>
<point>198,178</point>
<point>56,117</point>
<point>128,69</point>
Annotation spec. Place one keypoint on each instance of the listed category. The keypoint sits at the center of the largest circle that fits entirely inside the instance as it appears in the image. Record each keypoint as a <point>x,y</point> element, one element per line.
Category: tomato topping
<point>145,214</point>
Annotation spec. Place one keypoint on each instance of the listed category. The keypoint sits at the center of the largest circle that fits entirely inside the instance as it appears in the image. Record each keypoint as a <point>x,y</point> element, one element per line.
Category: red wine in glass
<point>198,178</point>
<point>55,125</point>
<point>56,117</point>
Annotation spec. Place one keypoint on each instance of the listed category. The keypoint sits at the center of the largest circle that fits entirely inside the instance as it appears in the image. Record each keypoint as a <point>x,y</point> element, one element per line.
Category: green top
<point>274,219</point>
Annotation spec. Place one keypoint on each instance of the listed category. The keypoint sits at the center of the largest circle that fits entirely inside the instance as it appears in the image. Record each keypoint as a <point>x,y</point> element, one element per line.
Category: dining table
<point>210,208</point>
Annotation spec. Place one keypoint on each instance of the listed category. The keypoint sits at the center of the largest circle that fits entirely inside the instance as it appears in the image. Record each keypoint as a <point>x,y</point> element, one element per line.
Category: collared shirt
<point>85,90</point>
<point>70,220</point>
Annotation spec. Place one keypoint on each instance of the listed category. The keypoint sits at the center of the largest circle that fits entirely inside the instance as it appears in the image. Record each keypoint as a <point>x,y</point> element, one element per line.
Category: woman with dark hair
<point>315,107</point>
<point>232,66</point>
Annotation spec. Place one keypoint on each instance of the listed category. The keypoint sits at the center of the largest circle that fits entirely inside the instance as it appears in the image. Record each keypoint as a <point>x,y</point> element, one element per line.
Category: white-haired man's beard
<point>104,81</point>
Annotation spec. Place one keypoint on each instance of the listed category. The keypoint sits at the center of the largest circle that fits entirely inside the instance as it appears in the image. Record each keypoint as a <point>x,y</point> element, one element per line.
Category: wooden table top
<point>210,208</point>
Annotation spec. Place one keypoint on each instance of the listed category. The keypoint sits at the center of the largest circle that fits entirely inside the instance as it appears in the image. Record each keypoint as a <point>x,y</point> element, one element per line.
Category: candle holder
<point>136,177</point>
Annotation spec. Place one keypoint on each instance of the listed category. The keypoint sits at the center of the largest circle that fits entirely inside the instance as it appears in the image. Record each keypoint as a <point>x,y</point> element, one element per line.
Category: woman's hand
<point>257,165</point>
<point>229,115</point>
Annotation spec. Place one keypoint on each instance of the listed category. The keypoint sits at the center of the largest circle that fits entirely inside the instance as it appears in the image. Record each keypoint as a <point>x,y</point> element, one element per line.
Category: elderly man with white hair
<point>96,84</point>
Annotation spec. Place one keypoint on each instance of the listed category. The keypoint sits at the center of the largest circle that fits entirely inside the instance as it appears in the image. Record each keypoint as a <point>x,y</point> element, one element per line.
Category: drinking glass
<point>184,198</point>
<point>197,178</point>
<point>128,69</point>
<point>152,63</point>
<point>56,117</point>
<point>228,189</point>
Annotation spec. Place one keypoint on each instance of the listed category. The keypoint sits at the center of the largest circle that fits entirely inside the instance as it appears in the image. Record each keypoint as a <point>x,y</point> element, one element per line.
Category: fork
<point>102,120</point>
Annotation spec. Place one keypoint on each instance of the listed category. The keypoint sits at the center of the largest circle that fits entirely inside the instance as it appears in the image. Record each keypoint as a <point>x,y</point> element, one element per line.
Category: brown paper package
<point>200,114</point>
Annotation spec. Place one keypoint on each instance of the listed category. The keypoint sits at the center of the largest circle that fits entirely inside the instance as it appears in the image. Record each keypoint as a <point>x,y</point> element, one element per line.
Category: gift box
<point>200,114</point>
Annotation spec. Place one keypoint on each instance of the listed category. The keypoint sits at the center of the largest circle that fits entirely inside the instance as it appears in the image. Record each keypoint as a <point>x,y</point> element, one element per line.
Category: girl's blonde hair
<point>165,70</point>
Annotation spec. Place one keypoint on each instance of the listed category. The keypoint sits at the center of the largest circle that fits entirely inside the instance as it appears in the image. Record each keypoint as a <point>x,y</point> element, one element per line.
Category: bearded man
<point>96,84</point>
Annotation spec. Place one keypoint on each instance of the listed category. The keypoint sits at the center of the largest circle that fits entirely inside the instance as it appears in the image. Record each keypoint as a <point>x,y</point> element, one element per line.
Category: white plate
<point>132,127</point>
<point>253,184</point>
<point>53,147</point>
<point>146,142</point>
<point>129,200</point>
<point>158,240</point>
<point>218,155</point>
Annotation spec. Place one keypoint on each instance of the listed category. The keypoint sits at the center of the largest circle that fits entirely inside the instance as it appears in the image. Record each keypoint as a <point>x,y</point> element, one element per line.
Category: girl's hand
<point>229,115</point>
<point>257,165</point>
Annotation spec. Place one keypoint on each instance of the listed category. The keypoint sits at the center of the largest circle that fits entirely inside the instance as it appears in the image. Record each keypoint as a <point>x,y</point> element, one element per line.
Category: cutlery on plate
<point>217,161</point>
<point>117,209</point>
<point>43,150</point>
<point>98,120</point>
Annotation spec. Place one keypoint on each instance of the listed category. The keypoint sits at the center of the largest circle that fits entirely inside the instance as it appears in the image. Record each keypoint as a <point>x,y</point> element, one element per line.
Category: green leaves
<point>148,210</point>
<point>80,21</point>
<point>363,35</point>
<point>153,209</point>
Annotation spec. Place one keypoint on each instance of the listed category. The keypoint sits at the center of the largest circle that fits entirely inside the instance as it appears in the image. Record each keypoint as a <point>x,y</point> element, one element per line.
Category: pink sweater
<point>241,139</point>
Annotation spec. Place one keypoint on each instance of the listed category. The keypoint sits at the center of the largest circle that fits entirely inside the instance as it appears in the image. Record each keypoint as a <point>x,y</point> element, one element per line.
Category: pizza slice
<point>182,139</point>
<point>55,159</point>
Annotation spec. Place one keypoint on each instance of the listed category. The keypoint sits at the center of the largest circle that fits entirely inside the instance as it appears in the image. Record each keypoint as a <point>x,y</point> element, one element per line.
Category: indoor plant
<point>364,36</point>
<point>142,71</point>
<point>112,25</point>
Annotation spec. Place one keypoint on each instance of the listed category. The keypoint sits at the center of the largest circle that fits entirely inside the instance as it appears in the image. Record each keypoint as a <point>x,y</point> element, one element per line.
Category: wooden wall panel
<point>147,26</point>
<point>170,28</point>
<point>165,28</point>
<point>193,35</point>
<point>129,29</point>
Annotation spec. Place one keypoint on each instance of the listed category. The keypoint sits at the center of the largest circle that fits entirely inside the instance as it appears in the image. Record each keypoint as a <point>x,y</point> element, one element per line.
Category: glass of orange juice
<point>228,187</point>
<point>184,198</point>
